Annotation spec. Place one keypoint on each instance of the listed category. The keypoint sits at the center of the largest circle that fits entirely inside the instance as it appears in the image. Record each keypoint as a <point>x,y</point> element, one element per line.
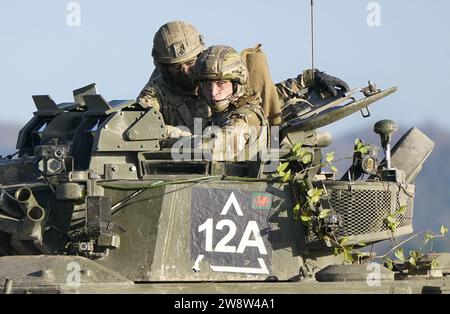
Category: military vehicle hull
<point>97,202</point>
<point>50,274</point>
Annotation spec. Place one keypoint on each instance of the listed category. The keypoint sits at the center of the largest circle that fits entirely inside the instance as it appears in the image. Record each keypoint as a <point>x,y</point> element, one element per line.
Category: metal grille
<point>364,206</point>
<point>362,211</point>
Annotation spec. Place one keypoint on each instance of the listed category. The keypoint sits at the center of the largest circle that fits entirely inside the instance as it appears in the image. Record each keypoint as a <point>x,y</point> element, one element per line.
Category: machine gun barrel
<point>10,205</point>
<point>32,223</point>
<point>34,214</point>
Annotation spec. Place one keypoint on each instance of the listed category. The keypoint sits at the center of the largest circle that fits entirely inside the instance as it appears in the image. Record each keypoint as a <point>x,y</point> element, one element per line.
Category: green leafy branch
<point>430,235</point>
<point>307,211</point>
<point>391,221</point>
<point>313,221</point>
<point>303,155</point>
<point>360,147</point>
<point>349,253</point>
<point>341,247</point>
<point>415,259</point>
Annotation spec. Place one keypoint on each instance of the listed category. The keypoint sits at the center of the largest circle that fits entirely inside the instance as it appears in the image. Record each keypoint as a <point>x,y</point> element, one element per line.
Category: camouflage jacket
<point>243,129</point>
<point>246,111</point>
<point>178,108</point>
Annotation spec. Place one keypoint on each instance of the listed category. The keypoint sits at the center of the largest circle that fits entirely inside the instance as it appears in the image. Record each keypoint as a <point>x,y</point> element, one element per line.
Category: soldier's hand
<point>175,132</point>
<point>329,83</point>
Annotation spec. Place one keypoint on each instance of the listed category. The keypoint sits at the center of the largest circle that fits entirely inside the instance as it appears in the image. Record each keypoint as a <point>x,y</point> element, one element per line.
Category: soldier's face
<point>182,69</point>
<point>217,90</point>
<point>181,73</point>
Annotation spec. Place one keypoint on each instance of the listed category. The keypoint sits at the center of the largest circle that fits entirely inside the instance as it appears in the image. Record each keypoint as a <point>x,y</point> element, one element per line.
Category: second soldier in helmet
<point>236,109</point>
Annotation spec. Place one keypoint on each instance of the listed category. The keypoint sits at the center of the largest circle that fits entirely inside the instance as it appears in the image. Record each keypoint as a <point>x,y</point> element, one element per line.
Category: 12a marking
<point>251,231</point>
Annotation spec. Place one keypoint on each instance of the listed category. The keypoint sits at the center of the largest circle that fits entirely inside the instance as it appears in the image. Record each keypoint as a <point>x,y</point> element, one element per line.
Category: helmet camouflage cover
<point>176,42</point>
<point>221,63</point>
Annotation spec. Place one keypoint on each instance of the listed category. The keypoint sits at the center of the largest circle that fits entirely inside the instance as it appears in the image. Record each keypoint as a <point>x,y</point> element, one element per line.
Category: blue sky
<point>41,54</point>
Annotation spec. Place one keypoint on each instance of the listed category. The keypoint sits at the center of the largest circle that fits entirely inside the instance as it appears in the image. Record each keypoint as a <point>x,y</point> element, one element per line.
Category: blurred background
<point>53,47</point>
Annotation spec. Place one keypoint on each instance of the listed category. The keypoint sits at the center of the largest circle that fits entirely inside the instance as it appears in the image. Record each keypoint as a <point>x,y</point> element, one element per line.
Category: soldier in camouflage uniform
<point>170,88</point>
<point>236,109</point>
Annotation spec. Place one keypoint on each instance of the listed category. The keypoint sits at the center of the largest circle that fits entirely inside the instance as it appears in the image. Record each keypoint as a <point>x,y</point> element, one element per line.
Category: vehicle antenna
<point>312,38</point>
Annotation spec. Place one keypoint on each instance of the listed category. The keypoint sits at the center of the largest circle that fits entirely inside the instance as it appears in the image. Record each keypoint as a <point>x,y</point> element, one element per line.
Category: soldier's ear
<point>235,87</point>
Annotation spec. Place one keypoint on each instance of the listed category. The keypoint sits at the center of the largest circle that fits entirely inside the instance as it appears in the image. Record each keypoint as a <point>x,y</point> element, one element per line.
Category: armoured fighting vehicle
<point>95,202</point>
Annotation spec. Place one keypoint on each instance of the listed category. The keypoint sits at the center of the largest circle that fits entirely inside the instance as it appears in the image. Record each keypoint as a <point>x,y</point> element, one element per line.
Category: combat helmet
<point>176,42</point>
<point>222,63</point>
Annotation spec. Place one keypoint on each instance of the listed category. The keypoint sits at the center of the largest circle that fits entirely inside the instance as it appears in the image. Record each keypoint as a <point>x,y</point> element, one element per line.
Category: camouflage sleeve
<point>245,123</point>
<point>241,130</point>
<point>148,97</point>
<point>290,88</point>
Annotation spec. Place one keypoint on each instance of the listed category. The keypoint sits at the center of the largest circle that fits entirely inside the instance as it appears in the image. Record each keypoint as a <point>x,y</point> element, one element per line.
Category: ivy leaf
<point>315,192</point>
<point>324,213</point>
<point>401,210</point>
<point>391,222</point>
<point>282,167</point>
<point>389,264</point>
<point>363,149</point>
<point>362,244</point>
<point>330,157</point>
<point>334,169</point>
<point>395,225</point>
<point>415,254</point>
<point>360,147</point>
<point>434,264</point>
<point>444,230</point>
<point>306,217</point>
<point>427,238</point>
<point>343,240</point>
<point>414,257</point>
<point>348,257</point>
<point>286,176</point>
<point>296,148</point>
<point>314,195</point>
<point>399,254</point>
<point>307,158</point>
<point>391,226</point>
<point>296,209</point>
<point>390,218</point>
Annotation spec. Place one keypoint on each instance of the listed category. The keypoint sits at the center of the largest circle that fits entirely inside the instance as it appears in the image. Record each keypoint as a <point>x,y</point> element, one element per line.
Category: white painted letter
<point>252,228</point>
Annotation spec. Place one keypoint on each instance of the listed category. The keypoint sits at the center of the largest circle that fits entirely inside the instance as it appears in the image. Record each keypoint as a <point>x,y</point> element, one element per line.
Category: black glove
<point>329,83</point>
